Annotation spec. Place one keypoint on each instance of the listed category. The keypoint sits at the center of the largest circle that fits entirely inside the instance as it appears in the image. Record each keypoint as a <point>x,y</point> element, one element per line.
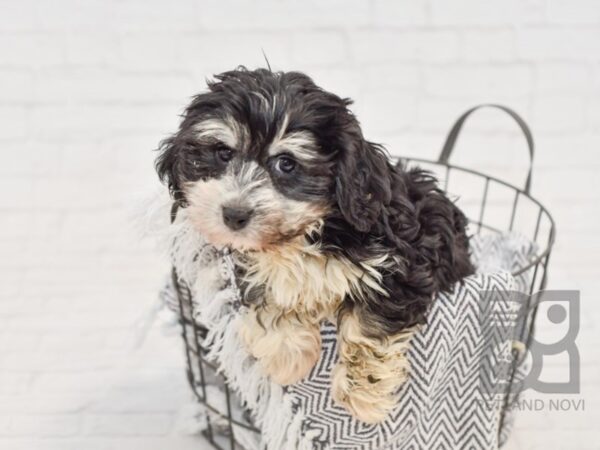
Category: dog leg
<point>286,345</point>
<point>370,370</point>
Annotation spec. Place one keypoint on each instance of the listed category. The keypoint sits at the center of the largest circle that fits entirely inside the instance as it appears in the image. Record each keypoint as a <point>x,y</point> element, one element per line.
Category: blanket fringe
<point>215,296</point>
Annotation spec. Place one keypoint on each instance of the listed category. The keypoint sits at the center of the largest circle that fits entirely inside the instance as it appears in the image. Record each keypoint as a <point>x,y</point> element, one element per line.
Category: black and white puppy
<point>323,226</point>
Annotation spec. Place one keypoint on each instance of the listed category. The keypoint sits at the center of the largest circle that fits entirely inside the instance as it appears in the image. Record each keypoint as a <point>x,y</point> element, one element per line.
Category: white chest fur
<point>299,277</point>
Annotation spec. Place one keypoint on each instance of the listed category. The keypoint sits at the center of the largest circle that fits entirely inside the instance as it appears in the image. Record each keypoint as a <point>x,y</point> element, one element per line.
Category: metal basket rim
<point>552,234</point>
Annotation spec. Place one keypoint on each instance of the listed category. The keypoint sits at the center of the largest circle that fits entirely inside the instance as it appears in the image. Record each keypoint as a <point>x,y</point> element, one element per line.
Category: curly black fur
<point>375,207</point>
<point>419,225</point>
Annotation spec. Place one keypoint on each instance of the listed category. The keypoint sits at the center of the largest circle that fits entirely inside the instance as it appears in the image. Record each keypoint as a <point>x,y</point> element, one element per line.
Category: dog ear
<point>363,187</point>
<point>167,166</point>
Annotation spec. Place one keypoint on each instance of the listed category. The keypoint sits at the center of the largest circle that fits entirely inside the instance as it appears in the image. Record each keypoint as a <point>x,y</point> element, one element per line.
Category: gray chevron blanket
<point>455,392</point>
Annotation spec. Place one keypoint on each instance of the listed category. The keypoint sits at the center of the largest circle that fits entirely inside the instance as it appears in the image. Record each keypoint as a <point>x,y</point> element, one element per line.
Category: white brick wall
<point>87,89</point>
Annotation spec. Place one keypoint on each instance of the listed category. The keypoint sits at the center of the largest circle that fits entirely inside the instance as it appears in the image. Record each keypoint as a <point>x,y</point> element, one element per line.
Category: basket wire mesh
<point>539,228</point>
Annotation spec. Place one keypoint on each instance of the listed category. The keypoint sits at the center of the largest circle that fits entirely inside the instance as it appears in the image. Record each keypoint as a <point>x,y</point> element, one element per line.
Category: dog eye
<point>224,154</point>
<point>285,164</point>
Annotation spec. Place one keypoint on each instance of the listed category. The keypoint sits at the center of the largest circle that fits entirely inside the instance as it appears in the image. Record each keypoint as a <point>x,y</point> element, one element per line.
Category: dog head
<point>263,158</point>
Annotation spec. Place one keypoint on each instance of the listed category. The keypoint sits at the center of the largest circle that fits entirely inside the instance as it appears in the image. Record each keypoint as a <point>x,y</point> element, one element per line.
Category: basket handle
<point>455,131</point>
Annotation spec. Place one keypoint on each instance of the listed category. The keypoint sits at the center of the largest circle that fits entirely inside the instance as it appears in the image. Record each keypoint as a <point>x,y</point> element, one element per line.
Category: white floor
<point>89,390</point>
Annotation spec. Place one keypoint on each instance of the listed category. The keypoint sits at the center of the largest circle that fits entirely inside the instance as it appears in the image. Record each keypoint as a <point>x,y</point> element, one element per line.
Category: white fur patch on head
<point>227,131</point>
<point>301,144</point>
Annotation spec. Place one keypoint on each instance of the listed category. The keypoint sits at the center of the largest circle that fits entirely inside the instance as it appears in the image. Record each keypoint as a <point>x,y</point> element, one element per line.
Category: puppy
<point>322,226</point>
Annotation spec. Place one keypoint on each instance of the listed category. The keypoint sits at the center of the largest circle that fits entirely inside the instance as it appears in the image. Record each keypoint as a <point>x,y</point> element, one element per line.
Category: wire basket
<point>492,206</point>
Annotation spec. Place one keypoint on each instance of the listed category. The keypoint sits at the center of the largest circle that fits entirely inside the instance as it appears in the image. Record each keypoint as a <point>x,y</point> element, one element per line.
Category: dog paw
<point>286,357</point>
<point>362,397</point>
<point>289,367</point>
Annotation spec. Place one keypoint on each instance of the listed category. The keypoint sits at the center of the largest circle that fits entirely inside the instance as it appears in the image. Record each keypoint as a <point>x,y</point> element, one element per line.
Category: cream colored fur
<point>302,287</point>
<point>299,277</point>
<point>286,345</point>
<point>369,371</point>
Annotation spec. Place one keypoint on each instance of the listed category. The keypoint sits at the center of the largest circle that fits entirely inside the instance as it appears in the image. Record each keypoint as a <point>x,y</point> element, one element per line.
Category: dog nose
<point>236,218</point>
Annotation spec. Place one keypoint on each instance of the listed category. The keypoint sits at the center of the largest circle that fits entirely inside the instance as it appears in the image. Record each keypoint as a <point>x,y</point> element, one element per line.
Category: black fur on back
<point>419,225</point>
